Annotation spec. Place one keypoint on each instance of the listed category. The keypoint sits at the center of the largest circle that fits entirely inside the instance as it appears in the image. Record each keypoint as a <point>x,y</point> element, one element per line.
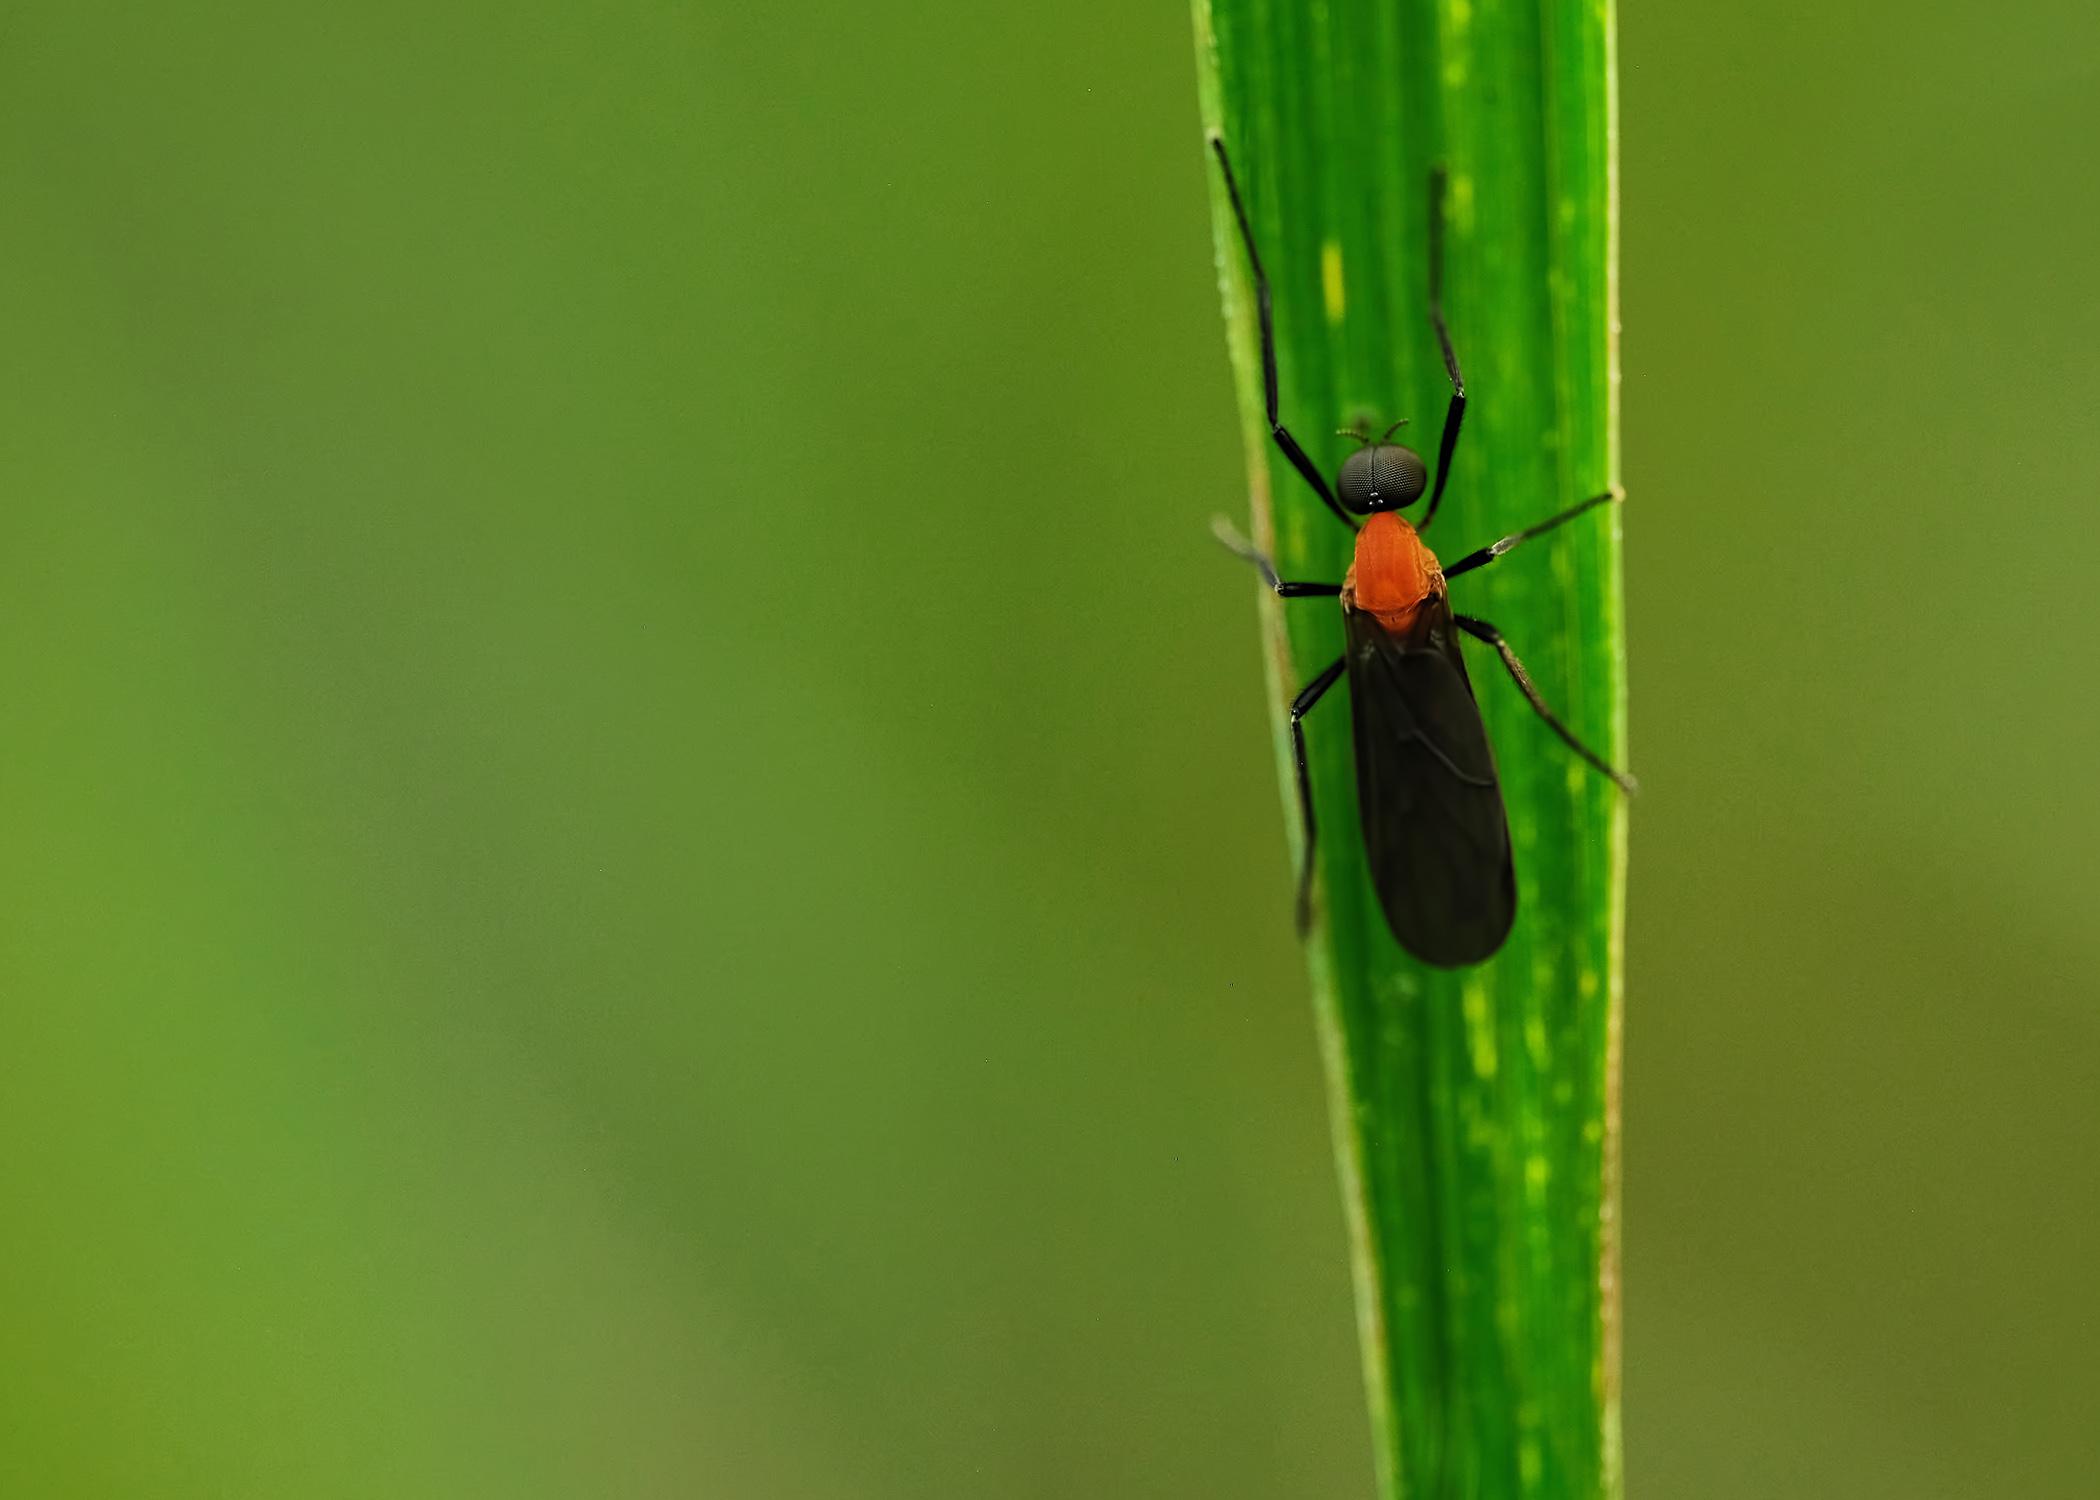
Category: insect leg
<point>1284,440</point>
<point>1486,632</point>
<point>1455,413</point>
<point>1300,707</point>
<point>1494,550</point>
<point>1245,550</point>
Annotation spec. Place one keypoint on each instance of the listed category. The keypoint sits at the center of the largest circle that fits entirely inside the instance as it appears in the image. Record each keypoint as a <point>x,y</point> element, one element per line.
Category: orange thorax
<point>1393,573</point>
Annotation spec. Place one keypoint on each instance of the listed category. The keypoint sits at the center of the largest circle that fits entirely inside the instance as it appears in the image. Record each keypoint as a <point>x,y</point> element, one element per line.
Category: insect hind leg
<point>1482,630</point>
<point>1300,707</point>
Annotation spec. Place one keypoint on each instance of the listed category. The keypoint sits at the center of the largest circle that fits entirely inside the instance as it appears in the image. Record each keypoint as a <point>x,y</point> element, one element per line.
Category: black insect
<point>1434,830</point>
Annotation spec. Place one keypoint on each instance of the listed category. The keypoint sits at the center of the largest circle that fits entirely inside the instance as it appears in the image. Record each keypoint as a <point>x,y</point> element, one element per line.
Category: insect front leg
<point>1482,630</point>
<point>1277,430</point>
<point>1455,413</point>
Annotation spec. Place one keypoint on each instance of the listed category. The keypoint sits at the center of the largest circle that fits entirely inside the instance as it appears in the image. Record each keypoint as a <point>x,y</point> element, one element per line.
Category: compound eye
<point>1384,476</point>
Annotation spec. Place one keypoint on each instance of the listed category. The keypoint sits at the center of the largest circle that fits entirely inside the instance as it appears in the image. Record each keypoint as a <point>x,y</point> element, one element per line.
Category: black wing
<point>1434,828</point>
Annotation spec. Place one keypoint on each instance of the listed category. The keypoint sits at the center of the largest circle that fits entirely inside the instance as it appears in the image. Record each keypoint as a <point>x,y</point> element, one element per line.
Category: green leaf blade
<point>1475,1112</point>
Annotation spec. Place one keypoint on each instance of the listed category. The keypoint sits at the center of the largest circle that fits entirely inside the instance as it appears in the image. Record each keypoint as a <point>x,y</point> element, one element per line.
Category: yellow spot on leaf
<point>1531,1464</point>
<point>1331,281</point>
<point>1461,202</point>
<point>1480,1031</point>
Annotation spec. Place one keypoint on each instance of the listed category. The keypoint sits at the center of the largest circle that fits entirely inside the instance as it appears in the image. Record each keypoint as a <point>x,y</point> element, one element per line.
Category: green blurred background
<point>641,849</point>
